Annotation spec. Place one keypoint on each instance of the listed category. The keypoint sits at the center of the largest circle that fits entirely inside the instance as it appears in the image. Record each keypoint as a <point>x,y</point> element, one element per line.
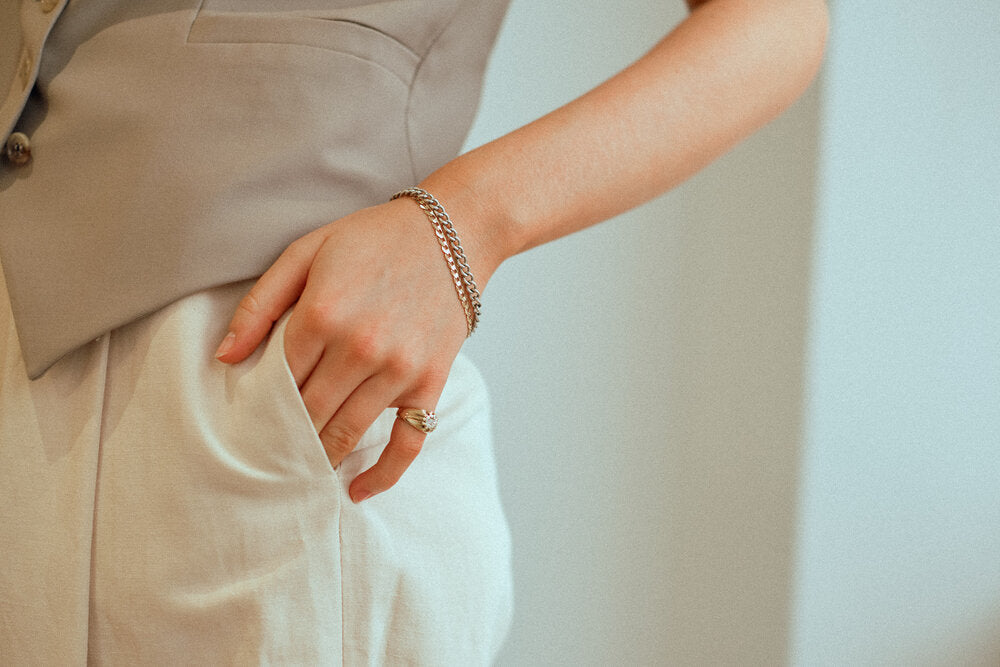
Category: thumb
<point>267,300</point>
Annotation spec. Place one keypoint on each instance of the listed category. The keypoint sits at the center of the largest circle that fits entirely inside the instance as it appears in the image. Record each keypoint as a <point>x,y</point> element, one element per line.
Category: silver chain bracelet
<point>451,246</point>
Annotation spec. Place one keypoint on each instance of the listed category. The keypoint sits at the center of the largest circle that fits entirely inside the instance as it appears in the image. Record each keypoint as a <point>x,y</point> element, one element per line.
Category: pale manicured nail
<point>362,495</point>
<point>226,345</point>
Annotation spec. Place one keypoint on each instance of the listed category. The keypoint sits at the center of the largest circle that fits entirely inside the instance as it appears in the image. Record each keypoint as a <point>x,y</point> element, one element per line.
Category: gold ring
<point>422,420</point>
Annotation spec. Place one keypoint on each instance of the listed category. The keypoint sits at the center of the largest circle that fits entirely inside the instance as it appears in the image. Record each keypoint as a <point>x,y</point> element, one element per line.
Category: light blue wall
<point>757,421</point>
<point>647,381</point>
<point>898,557</point>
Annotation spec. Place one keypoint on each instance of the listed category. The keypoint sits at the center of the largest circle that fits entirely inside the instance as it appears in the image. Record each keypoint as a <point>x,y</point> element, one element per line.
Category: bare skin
<point>355,342</point>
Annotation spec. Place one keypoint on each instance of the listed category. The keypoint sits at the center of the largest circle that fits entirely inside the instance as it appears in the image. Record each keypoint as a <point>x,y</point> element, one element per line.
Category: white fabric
<point>159,507</point>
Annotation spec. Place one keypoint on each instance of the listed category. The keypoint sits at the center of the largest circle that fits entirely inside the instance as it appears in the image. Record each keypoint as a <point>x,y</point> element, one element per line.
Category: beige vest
<point>177,145</point>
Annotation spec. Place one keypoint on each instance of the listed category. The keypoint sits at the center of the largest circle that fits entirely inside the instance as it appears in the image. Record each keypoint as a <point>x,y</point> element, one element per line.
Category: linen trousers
<point>160,507</point>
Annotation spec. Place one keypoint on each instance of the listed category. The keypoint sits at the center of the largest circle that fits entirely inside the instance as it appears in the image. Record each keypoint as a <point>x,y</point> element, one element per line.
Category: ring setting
<point>422,420</point>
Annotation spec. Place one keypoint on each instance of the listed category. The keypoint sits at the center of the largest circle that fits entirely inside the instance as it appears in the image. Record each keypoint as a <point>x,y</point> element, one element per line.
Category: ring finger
<point>340,435</point>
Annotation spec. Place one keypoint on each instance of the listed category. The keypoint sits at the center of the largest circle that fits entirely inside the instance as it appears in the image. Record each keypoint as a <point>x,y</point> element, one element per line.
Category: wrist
<point>486,232</point>
<point>454,253</point>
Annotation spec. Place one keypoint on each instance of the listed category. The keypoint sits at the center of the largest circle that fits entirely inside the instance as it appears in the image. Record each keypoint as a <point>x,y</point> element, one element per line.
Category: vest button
<point>18,149</point>
<point>47,5</point>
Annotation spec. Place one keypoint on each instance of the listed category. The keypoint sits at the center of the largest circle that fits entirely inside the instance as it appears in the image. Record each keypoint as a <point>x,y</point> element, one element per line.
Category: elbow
<point>800,28</point>
<point>817,18</point>
<point>806,25</point>
<point>795,30</point>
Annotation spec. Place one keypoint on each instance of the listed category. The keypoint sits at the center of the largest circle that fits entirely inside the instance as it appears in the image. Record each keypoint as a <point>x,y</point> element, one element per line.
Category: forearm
<point>729,68</point>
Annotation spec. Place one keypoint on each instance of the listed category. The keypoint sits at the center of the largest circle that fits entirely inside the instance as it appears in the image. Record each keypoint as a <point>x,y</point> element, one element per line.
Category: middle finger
<point>329,385</point>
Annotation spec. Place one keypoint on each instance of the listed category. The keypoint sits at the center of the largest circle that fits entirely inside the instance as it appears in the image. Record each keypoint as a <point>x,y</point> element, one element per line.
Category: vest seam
<point>413,84</point>
<point>194,19</point>
<point>321,49</point>
<point>406,81</point>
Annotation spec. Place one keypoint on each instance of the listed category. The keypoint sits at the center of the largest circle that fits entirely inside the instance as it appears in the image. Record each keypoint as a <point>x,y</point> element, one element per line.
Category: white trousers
<point>159,507</point>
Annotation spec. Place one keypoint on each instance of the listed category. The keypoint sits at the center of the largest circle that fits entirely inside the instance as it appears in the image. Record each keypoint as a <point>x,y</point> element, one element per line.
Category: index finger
<point>267,300</point>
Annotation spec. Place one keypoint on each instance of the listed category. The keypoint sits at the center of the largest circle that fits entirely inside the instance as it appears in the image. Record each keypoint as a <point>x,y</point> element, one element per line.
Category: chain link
<point>451,246</point>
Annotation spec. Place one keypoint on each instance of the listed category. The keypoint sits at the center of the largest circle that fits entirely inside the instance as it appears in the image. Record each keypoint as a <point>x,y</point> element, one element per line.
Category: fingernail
<point>226,345</point>
<point>361,495</point>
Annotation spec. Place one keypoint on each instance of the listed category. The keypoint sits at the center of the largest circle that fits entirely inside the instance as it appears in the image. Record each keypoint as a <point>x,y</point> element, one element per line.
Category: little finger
<point>404,445</point>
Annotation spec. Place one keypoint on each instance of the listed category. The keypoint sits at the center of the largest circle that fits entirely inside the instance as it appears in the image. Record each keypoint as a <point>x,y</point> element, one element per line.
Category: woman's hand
<point>377,323</point>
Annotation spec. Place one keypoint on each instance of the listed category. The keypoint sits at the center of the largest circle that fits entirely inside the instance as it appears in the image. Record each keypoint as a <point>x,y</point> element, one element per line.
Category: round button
<point>18,149</point>
<point>47,5</point>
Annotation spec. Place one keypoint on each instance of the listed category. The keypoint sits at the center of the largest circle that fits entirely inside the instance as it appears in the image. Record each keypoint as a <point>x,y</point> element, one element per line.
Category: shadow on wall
<point>980,647</point>
<point>739,314</point>
<point>647,382</point>
<point>648,386</point>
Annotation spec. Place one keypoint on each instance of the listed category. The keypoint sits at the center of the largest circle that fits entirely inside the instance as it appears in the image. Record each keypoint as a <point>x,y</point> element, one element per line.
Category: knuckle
<point>250,304</point>
<point>409,449</point>
<point>319,320</point>
<point>432,380</point>
<point>364,348</point>
<point>296,247</point>
<point>402,366</point>
<point>382,479</point>
<point>339,439</point>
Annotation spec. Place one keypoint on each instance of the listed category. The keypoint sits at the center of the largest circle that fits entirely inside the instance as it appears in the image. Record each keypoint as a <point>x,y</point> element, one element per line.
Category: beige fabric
<point>160,507</point>
<point>182,144</point>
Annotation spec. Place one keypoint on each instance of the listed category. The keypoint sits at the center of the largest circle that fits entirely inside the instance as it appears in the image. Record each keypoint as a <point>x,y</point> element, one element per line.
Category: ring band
<point>422,420</point>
